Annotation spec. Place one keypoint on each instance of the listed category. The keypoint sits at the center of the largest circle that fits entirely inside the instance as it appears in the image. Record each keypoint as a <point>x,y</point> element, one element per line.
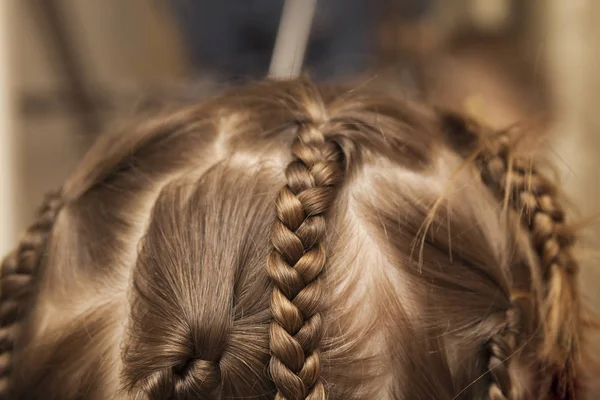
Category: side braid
<point>16,278</point>
<point>501,348</point>
<point>296,262</point>
<point>534,197</point>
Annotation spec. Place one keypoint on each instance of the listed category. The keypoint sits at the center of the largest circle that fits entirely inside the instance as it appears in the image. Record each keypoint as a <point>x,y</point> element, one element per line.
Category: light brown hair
<point>395,252</point>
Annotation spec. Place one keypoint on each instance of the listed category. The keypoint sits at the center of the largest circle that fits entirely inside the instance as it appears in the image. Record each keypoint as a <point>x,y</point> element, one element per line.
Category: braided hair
<point>17,276</point>
<point>517,181</point>
<point>534,197</point>
<point>297,260</point>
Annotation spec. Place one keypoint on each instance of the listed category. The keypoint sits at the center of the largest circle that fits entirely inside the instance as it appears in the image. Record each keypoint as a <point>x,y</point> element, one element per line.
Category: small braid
<point>16,278</point>
<point>501,347</point>
<point>534,197</point>
<point>296,262</point>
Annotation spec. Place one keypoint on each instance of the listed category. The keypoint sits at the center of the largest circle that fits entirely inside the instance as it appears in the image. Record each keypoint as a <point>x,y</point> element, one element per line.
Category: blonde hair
<point>395,252</point>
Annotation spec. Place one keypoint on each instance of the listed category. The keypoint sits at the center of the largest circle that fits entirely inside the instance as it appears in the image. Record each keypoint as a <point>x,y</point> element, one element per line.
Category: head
<point>284,241</point>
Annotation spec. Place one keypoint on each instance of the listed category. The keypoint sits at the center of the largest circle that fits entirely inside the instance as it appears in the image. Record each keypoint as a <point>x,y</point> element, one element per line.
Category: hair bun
<point>193,378</point>
<point>196,376</point>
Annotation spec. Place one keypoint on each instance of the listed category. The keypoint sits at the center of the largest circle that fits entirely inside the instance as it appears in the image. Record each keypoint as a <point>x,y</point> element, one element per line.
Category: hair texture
<point>16,277</point>
<point>288,241</point>
<point>298,258</point>
<point>535,198</point>
<point>514,177</point>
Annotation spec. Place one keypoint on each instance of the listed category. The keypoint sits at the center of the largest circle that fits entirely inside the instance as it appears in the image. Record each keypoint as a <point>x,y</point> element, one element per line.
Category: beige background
<point>125,46</point>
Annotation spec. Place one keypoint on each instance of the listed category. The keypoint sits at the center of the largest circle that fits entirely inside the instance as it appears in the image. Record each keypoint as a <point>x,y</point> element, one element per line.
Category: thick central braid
<point>534,197</point>
<point>16,279</point>
<point>297,260</point>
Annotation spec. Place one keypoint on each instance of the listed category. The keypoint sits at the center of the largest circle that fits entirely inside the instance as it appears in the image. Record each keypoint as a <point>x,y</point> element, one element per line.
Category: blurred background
<point>70,69</point>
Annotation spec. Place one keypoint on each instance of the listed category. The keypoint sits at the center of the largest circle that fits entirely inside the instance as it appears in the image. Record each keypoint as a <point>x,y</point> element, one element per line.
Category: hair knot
<point>196,376</point>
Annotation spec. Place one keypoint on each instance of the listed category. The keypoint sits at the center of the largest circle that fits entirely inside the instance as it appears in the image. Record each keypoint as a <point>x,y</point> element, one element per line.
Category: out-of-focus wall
<point>7,138</point>
<point>124,47</point>
<point>129,43</point>
<point>573,57</point>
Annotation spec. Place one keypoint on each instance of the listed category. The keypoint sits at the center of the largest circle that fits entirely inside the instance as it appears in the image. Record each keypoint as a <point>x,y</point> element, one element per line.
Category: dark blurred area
<point>233,40</point>
<point>74,68</point>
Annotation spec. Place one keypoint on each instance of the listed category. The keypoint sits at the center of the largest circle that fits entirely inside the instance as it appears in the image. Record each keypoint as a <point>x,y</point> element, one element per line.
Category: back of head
<point>285,241</point>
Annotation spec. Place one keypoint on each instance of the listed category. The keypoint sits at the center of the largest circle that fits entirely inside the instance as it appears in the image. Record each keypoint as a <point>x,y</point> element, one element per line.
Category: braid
<point>534,197</point>
<point>16,277</point>
<point>296,262</point>
<point>501,347</point>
